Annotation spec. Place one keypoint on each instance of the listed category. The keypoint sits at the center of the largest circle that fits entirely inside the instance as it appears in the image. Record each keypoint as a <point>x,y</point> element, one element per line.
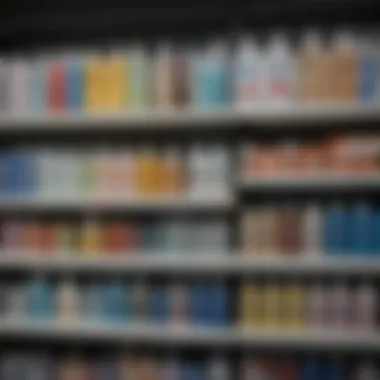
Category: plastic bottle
<point>369,70</point>
<point>40,299</point>
<point>313,69</point>
<point>116,79</point>
<point>339,306</point>
<point>92,301</point>
<point>179,304</point>
<point>56,84</point>
<point>91,238</point>
<point>316,306</point>
<point>365,306</point>
<point>280,78</point>
<point>75,81</point>
<point>312,231</point>
<point>67,301</point>
<point>248,71</point>
<point>115,302</point>
<point>311,369</point>
<point>362,223</point>
<point>18,82</point>
<point>4,87</point>
<point>334,229</point>
<point>210,77</point>
<point>140,76</point>
<point>344,68</point>
<point>272,305</point>
<point>163,76</point>
<point>219,369</point>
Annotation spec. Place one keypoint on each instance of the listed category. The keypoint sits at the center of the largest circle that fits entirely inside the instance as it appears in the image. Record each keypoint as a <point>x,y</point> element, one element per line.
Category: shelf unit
<point>184,119</point>
<point>216,263</point>
<point>192,336</point>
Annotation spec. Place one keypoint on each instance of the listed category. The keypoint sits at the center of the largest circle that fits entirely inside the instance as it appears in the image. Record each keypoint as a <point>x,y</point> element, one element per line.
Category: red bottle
<point>56,85</point>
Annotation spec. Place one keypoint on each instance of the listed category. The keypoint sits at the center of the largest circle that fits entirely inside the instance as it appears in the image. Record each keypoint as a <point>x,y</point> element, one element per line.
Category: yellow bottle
<point>95,89</point>
<point>116,72</point>
<point>272,306</point>
<point>246,309</point>
<point>147,175</point>
<point>251,306</point>
<point>91,242</point>
<point>295,306</point>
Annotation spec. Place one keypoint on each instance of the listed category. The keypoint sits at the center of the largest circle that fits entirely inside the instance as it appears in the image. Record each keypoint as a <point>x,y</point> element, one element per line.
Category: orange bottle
<point>147,172</point>
<point>114,238</point>
<point>343,68</point>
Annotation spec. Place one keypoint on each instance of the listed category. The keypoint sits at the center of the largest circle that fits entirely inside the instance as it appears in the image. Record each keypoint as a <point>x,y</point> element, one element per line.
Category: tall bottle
<point>67,301</point>
<point>247,74</point>
<point>210,77</point>
<point>280,77</point>
<point>344,66</point>
<point>139,78</point>
<point>313,69</point>
<point>163,76</point>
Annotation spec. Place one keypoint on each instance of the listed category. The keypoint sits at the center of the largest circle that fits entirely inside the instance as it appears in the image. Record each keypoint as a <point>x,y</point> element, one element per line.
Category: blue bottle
<point>159,304</point>
<point>40,299</point>
<point>114,299</point>
<point>375,232</point>
<point>93,302</point>
<point>360,233</point>
<point>311,369</point>
<point>334,229</point>
<point>210,78</point>
<point>368,72</point>
<point>74,77</point>
<point>195,371</point>
<point>335,370</point>
<point>199,303</point>
<point>218,304</point>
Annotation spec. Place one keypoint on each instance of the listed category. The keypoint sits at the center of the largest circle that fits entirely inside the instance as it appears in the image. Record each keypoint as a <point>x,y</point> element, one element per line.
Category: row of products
<point>333,229</point>
<point>117,301</point>
<point>210,77</point>
<point>125,366</point>
<point>115,172</point>
<point>340,154</point>
<point>93,238</point>
<point>311,368</point>
<point>275,305</point>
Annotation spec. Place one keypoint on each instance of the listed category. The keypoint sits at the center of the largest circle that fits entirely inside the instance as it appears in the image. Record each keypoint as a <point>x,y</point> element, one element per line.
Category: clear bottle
<point>280,77</point>
<point>248,72</point>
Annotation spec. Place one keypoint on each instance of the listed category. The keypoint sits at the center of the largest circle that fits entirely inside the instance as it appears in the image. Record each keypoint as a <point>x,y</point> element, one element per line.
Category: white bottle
<point>219,369</point>
<point>365,306</point>
<point>317,306</point>
<point>312,231</point>
<point>197,168</point>
<point>67,297</point>
<point>339,305</point>
<point>247,74</point>
<point>279,86</point>
<point>18,83</point>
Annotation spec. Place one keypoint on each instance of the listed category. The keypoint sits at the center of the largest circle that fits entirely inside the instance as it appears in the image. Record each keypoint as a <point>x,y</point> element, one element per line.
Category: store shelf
<point>168,203</point>
<point>257,117</point>
<point>189,263</point>
<point>133,120</point>
<point>325,182</point>
<point>188,336</point>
